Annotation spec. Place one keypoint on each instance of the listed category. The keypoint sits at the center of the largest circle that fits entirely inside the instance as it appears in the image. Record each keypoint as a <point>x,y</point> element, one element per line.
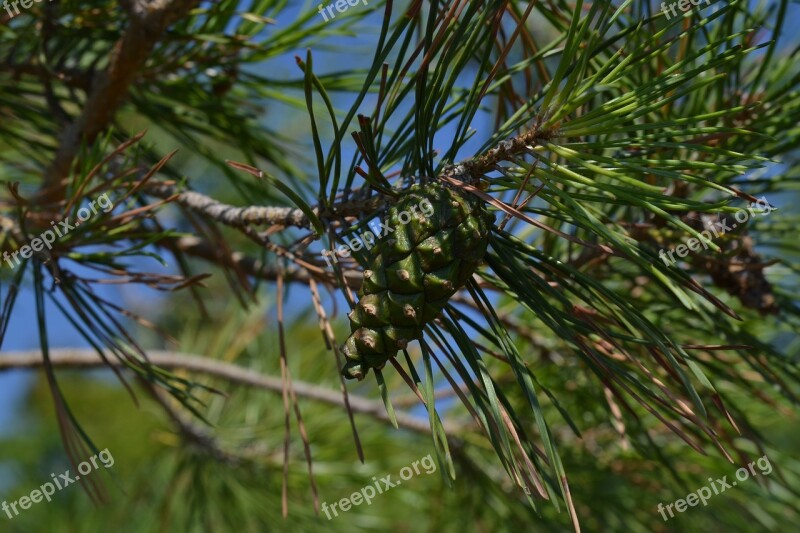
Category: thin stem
<point>82,359</point>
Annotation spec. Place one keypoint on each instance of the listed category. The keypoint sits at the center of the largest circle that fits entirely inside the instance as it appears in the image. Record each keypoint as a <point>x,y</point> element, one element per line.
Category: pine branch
<point>148,21</point>
<point>506,150</point>
<point>469,171</point>
<point>230,215</point>
<point>85,359</point>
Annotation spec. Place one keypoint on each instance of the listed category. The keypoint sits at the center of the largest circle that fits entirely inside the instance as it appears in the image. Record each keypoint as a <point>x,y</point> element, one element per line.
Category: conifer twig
<point>148,21</point>
<point>84,358</point>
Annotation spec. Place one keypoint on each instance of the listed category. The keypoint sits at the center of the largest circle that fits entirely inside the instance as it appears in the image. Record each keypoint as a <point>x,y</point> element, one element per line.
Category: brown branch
<point>505,150</point>
<point>148,21</point>
<point>469,171</point>
<point>84,358</point>
<point>240,217</point>
<point>229,215</point>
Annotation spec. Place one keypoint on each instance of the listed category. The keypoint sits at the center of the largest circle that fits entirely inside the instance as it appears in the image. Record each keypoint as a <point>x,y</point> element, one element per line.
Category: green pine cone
<point>431,243</point>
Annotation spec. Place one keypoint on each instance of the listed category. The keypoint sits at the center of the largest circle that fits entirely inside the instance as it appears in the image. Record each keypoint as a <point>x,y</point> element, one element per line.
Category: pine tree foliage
<point>555,347</point>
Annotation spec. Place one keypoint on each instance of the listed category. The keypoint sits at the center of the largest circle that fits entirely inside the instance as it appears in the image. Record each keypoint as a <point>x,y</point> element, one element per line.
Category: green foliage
<point>577,366</point>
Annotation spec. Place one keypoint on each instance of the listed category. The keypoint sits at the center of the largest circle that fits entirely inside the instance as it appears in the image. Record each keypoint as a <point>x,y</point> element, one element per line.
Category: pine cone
<point>430,245</point>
